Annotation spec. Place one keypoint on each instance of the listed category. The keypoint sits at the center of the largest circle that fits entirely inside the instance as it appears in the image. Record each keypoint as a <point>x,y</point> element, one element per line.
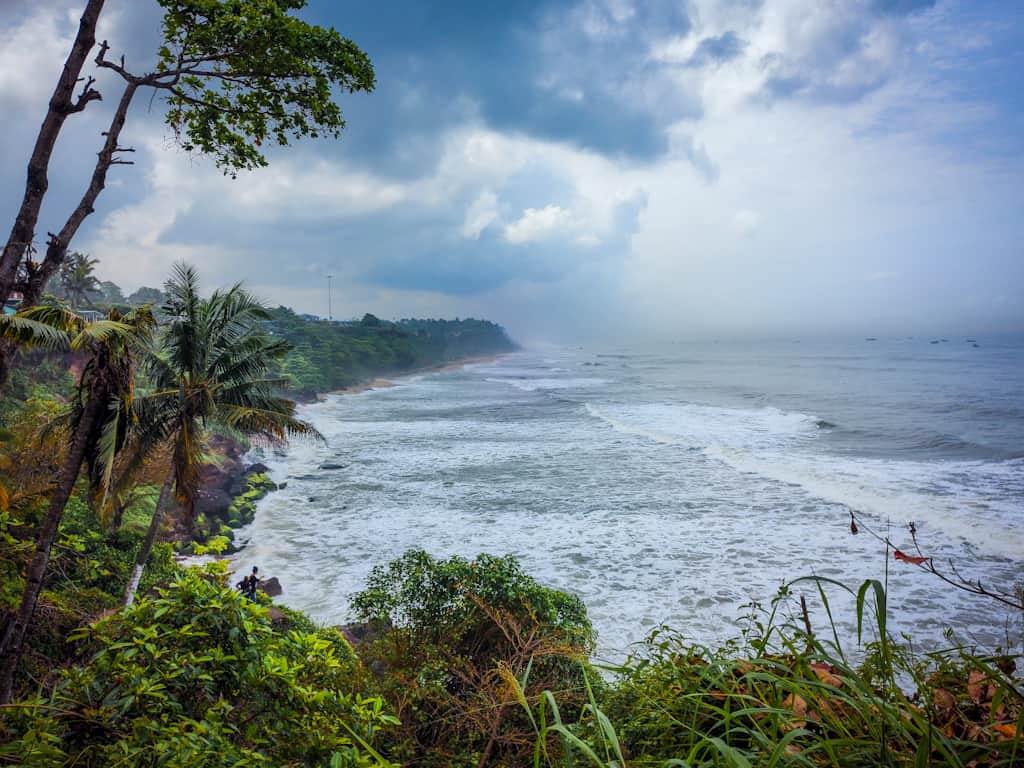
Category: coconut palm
<point>77,279</point>
<point>96,419</point>
<point>209,367</point>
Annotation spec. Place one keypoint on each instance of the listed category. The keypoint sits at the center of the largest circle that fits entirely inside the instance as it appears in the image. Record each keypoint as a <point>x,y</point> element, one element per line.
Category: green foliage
<point>436,598</point>
<point>450,634</point>
<point>783,698</point>
<point>88,569</point>
<point>209,367</point>
<point>242,509</point>
<point>327,356</point>
<point>79,284</point>
<point>146,295</point>
<point>199,676</point>
<point>242,72</point>
<point>40,377</point>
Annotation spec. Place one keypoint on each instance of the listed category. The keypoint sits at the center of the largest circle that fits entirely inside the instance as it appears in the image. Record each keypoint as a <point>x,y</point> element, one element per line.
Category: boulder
<point>363,633</point>
<point>277,617</point>
<point>271,586</point>
<point>332,465</point>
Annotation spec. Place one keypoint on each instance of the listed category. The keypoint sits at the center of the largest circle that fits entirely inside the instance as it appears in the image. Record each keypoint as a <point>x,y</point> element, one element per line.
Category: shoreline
<point>382,383</point>
<point>376,383</point>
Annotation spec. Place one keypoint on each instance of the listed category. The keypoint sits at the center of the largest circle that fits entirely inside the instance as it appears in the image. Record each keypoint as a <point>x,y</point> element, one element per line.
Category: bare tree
<point>62,105</point>
<point>235,74</point>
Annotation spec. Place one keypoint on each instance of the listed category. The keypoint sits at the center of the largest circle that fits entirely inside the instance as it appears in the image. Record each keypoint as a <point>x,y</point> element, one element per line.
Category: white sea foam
<point>701,426</point>
<point>984,512</point>
<point>660,511</point>
<point>534,384</point>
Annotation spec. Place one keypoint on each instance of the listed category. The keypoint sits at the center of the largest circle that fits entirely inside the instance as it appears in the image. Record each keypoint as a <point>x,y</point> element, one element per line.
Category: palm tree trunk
<point>14,634</point>
<point>147,544</point>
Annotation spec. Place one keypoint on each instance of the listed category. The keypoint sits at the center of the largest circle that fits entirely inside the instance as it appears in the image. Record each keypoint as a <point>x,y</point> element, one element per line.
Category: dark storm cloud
<point>528,67</point>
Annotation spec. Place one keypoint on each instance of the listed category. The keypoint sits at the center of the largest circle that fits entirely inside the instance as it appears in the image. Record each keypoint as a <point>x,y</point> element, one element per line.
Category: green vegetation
<point>243,507</point>
<point>233,73</point>
<point>453,662</point>
<point>450,635</point>
<point>198,675</point>
<point>208,367</point>
<point>96,419</point>
<point>321,355</point>
<point>328,356</point>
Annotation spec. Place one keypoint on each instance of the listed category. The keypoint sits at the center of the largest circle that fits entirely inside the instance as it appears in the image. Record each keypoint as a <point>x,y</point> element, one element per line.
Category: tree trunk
<point>14,634</point>
<point>36,182</point>
<point>57,245</point>
<point>147,544</point>
<point>118,518</point>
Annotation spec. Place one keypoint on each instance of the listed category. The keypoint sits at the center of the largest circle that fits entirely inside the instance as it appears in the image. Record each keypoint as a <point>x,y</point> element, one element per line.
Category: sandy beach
<point>379,383</point>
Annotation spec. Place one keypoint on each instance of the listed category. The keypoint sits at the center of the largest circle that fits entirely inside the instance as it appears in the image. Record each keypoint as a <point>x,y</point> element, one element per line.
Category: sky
<point>594,169</point>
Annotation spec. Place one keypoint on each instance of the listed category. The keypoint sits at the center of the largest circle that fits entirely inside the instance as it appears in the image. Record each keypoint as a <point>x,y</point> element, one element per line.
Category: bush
<point>785,698</point>
<point>198,676</point>
<point>451,635</point>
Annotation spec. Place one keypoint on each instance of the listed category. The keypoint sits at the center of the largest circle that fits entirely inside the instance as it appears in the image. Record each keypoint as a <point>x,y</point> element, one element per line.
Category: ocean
<point>678,484</point>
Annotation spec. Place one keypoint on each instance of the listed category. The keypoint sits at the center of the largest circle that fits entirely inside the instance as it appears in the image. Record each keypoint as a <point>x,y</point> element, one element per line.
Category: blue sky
<point>576,169</point>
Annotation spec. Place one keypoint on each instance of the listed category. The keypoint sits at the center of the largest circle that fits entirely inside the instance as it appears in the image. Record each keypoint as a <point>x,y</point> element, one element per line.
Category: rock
<point>364,632</point>
<point>282,486</point>
<point>271,586</point>
<point>212,502</point>
<point>302,395</point>
<point>277,617</point>
<point>330,465</point>
<point>257,469</point>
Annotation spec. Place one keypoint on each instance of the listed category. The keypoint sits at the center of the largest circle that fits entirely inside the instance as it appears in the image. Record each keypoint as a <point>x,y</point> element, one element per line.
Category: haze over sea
<point>674,484</point>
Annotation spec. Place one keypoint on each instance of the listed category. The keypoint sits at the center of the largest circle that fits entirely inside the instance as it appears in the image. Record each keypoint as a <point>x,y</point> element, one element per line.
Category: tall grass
<point>784,697</point>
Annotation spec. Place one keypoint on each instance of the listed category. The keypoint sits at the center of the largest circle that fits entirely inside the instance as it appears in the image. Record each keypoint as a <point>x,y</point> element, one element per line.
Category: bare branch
<point>972,586</point>
<point>88,94</point>
<point>101,61</point>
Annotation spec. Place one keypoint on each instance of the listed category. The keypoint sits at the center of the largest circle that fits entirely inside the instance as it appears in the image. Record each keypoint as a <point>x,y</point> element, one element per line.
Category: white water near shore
<point>670,486</point>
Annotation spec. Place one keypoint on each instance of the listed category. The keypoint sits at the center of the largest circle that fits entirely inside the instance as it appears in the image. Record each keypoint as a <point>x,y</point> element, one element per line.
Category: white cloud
<point>538,224</point>
<point>763,214</point>
<point>480,215</point>
<point>31,56</point>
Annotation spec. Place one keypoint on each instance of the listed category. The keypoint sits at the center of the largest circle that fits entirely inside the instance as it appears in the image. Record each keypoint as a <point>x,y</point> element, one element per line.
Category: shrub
<point>785,698</point>
<point>198,676</point>
<point>451,635</point>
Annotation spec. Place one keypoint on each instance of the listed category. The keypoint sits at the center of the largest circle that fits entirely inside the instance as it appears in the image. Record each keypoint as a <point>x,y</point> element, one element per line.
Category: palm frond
<point>26,332</point>
<point>60,317</point>
<point>102,332</point>
<point>268,424</point>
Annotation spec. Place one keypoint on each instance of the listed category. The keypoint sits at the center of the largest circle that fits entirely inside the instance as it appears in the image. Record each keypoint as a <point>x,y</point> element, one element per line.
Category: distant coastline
<point>383,383</point>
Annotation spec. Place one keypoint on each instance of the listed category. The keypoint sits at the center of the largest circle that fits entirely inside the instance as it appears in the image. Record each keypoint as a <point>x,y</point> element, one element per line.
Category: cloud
<point>480,215</point>
<point>716,166</point>
<point>538,224</point>
<point>716,50</point>
<point>32,52</point>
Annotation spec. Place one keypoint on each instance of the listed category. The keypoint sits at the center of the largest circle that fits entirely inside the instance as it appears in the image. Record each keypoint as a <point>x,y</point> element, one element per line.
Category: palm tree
<point>209,367</point>
<point>78,280</point>
<point>97,420</point>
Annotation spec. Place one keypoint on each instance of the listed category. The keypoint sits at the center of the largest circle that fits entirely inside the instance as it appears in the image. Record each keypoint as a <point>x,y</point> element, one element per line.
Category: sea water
<point>676,484</point>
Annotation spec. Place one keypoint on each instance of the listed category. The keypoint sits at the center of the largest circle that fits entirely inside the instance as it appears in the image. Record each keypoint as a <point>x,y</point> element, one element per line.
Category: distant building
<point>90,315</point>
<point>309,317</point>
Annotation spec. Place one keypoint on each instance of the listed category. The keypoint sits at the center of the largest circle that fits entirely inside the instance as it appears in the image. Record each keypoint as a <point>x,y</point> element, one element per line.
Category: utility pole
<point>329,313</point>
